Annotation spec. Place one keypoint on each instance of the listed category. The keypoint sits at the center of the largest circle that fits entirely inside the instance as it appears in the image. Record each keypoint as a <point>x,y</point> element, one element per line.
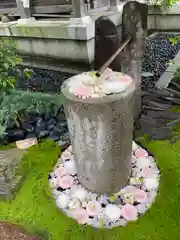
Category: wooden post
<point>78,8</point>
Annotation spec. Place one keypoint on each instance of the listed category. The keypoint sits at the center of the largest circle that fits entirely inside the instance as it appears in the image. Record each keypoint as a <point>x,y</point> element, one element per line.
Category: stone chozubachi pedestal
<point>100,121</point>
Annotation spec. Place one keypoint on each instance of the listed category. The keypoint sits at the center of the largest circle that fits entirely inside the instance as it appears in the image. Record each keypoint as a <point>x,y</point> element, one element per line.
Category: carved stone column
<point>101,132</point>
<point>134,24</point>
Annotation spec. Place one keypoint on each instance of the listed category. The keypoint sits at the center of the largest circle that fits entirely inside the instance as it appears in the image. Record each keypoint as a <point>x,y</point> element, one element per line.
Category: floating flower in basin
<point>129,212</point>
<point>93,208</point>
<point>81,215</point>
<point>151,183</point>
<point>84,92</point>
<point>140,195</point>
<point>141,153</point>
<point>125,79</point>
<point>112,212</point>
<point>115,87</point>
<point>66,182</point>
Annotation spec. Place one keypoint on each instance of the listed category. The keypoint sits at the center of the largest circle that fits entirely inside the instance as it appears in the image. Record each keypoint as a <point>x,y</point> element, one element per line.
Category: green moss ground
<point>35,209</point>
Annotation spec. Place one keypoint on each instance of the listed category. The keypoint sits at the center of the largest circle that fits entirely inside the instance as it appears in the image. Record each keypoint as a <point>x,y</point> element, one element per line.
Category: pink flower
<point>60,172</point>
<point>80,215</point>
<point>108,73</point>
<point>129,212</point>
<point>84,92</point>
<point>93,208</point>
<point>147,172</point>
<point>66,182</point>
<point>140,195</point>
<point>140,153</point>
<point>125,79</point>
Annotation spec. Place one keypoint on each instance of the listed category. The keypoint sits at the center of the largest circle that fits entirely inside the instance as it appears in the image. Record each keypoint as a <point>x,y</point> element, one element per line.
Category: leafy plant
<point>175,40</point>
<point>14,104</point>
<point>17,103</point>
<point>9,61</point>
<point>165,3</point>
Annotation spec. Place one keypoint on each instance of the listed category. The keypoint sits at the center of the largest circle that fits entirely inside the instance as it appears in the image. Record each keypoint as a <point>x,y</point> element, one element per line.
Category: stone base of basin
<point>102,211</point>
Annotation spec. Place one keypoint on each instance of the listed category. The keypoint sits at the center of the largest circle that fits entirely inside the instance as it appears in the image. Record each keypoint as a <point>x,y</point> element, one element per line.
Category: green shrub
<point>9,62</point>
<point>17,103</point>
<point>13,103</point>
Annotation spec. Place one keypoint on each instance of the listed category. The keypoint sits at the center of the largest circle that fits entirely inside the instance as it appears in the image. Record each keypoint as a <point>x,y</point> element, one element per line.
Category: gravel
<point>159,51</point>
<point>41,80</point>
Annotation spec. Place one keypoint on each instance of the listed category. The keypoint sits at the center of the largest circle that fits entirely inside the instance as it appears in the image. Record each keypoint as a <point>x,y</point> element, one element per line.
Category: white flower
<point>70,167</point>
<point>66,155</point>
<point>74,204</point>
<point>62,201</point>
<point>151,183</point>
<point>84,204</point>
<point>70,149</point>
<point>53,182</point>
<point>134,159</point>
<point>113,87</point>
<point>134,146</point>
<point>141,208</point>
<point>143,162</point>
<point>93,196</point>
<point>151,196</point>
<point>112,212</point>
<point>135,181</point>
<point>93,208</point>
<point>80,194</point>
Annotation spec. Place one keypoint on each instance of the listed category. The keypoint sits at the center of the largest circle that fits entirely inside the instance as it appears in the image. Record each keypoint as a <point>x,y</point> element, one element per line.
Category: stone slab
<point>11,231</point>
<point>167,76</point>
<point>10,172</point>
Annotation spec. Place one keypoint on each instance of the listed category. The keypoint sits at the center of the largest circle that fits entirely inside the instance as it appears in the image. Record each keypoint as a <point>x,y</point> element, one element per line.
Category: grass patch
<point>35,209</point>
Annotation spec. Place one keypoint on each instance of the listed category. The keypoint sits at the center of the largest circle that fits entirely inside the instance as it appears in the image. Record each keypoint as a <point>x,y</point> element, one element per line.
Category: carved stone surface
<point>134,24</point>
<point>11,232</point>
<point>9,178</point>
<point>107,41</point>
<point>101,136</point>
